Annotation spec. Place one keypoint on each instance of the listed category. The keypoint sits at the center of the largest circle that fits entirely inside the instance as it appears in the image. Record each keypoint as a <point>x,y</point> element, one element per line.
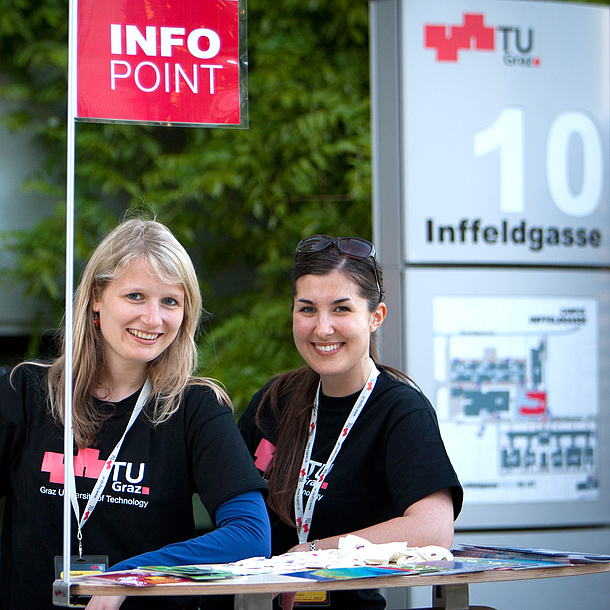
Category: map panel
<point>515,382</point>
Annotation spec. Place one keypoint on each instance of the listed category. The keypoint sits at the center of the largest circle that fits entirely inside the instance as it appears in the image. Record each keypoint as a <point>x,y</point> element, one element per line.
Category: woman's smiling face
<point>139,315</point>
<point>332,327</point>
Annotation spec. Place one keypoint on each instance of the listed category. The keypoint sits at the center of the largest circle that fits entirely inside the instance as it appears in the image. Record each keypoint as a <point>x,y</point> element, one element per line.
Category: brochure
<point>158,575</point>
<point>349,573</point>
<point>131,578</point>
<point>193,572</point>
<point>517,552</point>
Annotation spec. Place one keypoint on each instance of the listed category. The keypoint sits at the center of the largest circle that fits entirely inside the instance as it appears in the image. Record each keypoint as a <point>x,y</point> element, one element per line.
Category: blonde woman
<point>139,415</point>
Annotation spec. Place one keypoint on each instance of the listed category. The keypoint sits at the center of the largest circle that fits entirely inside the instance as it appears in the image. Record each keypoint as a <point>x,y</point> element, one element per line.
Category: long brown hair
<point>291,395</point>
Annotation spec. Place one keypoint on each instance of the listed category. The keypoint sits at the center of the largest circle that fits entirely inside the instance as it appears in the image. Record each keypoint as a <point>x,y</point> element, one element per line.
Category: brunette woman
<point>347,444</point>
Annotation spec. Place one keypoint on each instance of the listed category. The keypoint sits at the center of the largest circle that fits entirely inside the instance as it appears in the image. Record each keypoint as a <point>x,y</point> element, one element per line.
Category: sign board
<point>517,371</point>
<point>491,163</point>
<point>154,62</point>
<point>506,132</point>
<point>161,62</point>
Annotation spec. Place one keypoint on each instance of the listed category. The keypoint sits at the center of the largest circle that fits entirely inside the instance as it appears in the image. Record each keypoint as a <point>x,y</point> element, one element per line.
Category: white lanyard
<point>303,517</point>
<point>106,470</point>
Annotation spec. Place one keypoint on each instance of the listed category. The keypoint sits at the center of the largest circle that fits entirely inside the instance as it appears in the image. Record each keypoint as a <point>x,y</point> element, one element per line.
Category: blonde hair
<point>172,371</point>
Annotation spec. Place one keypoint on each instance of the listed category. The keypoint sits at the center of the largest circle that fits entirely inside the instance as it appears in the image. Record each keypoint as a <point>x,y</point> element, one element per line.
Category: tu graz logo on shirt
<point>126,477</point>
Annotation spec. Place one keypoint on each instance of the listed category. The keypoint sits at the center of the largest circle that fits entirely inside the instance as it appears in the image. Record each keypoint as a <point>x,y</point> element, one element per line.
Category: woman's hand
<point>288,600</point>
<point>105,602</point>
<point>299,548</point>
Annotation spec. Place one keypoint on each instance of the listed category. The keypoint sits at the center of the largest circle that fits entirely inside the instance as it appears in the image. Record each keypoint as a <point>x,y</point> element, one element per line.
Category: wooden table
<point>450,591</point>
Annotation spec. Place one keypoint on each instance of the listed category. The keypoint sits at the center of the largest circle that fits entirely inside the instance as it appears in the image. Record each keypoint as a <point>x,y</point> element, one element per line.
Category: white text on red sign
<point>147,75</point>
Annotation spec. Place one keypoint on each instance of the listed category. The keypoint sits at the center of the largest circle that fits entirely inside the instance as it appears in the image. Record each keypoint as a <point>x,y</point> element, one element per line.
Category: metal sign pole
<point>199,106</point>
<point>68,432</point>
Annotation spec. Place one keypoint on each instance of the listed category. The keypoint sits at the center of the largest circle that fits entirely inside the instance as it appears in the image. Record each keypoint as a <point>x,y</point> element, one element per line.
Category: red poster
<point>154,61</point>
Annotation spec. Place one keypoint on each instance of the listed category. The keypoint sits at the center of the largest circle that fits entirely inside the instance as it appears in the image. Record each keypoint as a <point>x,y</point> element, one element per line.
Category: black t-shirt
<point>147,501</point>
<point>392,457</point>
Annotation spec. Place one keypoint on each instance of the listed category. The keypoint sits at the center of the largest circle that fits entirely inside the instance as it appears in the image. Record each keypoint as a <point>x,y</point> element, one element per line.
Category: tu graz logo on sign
<point>516,43</point>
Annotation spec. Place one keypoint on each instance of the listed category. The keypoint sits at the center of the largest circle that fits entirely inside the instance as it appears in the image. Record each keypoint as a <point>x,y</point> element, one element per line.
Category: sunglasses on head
<point>355,247</point>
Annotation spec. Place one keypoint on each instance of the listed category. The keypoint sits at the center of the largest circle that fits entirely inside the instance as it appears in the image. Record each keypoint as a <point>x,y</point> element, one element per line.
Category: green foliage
<point>244,348</point>
<point>239,200</point>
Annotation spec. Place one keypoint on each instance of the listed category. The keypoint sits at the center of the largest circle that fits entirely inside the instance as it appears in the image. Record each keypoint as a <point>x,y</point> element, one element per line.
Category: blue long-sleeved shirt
<point>242,531</point>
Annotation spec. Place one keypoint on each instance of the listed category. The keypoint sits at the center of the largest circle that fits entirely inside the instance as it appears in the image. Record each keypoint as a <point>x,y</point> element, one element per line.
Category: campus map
<point>516,392</point>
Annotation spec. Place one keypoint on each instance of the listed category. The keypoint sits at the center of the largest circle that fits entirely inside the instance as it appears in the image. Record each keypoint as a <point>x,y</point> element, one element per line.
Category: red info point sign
<point>156,61</point>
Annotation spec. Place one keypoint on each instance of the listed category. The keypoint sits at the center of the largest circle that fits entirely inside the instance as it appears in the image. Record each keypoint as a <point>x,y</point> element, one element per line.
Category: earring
<point>96,319</point>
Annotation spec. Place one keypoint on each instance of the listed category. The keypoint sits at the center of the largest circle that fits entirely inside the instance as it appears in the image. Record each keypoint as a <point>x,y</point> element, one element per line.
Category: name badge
<point>81,566</point>
<point>312,599</point>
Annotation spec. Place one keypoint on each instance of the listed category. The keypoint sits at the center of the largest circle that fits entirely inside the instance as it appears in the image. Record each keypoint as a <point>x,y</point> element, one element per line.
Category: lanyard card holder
<point>86,565</point>
<point>81,566</point>
<point>312,599</point>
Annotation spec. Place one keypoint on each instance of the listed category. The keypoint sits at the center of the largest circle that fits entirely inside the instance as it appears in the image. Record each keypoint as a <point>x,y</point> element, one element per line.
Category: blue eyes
<point>168,301</point>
